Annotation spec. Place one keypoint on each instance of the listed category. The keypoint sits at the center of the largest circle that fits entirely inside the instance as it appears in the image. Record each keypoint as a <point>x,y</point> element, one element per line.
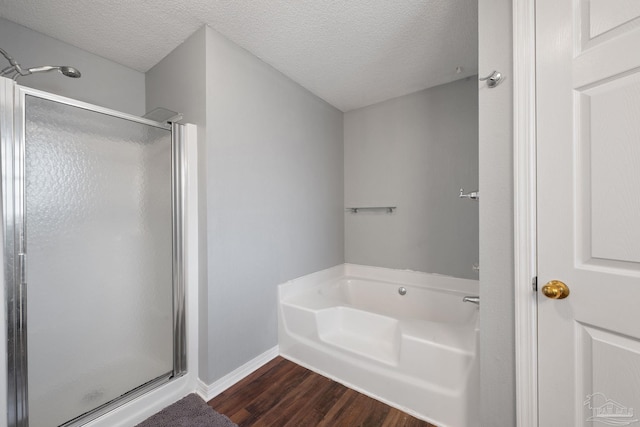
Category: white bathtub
<point>417,352</point>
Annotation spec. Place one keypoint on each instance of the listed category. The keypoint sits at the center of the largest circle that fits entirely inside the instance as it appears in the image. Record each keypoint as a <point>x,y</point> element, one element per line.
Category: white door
<point>588,112</point>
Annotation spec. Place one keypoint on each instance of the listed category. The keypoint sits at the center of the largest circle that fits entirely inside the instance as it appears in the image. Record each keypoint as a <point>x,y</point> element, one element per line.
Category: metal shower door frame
<point>12,158</point>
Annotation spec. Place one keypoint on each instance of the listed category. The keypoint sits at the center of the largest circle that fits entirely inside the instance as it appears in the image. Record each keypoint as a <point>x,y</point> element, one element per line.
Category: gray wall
<point>274,197</point>
<point>272,158</point>
<point>414,152</point>
<point>103,82</point>
<point>497,345</point>
<point>283,213</point>
<point>178,83</point>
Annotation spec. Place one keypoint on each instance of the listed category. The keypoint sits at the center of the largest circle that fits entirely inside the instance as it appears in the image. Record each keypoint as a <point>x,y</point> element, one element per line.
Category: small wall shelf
<point>355,210</point>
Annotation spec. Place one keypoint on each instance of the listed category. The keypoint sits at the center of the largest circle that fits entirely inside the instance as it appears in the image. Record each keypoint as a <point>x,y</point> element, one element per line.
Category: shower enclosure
<point>93,256</point>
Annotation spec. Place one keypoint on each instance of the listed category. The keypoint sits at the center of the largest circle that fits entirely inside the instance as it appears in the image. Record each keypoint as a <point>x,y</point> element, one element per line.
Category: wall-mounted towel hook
<point>493,79</point>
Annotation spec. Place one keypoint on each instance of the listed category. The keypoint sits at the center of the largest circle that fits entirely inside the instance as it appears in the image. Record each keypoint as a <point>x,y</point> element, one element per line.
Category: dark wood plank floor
<point>282,393</point>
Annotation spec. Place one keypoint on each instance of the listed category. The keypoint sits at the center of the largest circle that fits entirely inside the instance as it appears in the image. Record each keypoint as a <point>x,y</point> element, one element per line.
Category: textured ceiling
<point>351,53</point>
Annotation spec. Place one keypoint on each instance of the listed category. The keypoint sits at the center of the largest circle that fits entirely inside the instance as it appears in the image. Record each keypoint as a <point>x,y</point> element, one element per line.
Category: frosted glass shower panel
<point>99,258</point>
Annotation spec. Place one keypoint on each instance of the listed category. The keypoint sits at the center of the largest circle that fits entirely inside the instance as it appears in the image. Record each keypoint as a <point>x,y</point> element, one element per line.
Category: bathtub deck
<point>282,393</point>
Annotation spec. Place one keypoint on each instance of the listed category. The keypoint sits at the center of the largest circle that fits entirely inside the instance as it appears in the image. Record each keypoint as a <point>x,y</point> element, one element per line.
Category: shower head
<point>68,71</point>
<point>15,70</point>
<point>64,69</point>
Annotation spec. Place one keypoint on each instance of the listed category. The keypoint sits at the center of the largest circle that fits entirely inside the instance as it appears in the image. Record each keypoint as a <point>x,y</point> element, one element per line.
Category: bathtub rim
<point>432,281</point>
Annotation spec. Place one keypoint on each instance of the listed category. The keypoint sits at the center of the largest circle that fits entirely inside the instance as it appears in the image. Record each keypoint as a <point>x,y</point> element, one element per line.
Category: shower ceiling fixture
<point>15,70</point>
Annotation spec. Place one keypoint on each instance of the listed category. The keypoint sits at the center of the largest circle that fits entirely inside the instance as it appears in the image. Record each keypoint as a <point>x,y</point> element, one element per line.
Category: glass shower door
<point>98,241</point>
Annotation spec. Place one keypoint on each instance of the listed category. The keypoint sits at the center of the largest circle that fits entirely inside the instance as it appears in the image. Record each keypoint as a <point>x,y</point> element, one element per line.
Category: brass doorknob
<point>555,289</point>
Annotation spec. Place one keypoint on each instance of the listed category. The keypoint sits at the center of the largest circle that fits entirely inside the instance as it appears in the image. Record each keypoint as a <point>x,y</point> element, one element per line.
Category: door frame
<point>525,205</point>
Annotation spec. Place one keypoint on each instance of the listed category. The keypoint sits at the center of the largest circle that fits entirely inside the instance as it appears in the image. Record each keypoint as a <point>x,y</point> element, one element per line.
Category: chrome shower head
<point>15,70</point>
<point>68,71</point>
<point>64,69</point>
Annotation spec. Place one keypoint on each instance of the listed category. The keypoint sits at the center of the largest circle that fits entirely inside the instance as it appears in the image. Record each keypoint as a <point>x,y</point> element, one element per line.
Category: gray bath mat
<point>190,411</point>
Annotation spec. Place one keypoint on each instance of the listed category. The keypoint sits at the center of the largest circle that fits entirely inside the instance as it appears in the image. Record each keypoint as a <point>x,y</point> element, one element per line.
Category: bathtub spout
<point>473,300</point>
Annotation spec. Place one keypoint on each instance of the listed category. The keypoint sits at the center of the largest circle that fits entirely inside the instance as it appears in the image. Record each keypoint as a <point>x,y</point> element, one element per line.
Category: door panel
<point>610,113</point>
<point>99,258</point>
<point>588,105</point>
<point>600,20</point>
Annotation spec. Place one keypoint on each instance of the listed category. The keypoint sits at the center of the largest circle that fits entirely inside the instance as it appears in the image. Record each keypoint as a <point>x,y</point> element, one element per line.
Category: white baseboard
<point>208,392</point>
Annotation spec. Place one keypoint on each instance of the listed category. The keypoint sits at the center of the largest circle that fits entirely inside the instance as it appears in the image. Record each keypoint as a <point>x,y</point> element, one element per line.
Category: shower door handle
<point>22,268</point>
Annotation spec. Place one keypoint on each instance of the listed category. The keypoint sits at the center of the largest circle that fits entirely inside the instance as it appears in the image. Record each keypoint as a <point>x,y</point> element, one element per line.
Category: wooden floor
<point>282,393</point>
